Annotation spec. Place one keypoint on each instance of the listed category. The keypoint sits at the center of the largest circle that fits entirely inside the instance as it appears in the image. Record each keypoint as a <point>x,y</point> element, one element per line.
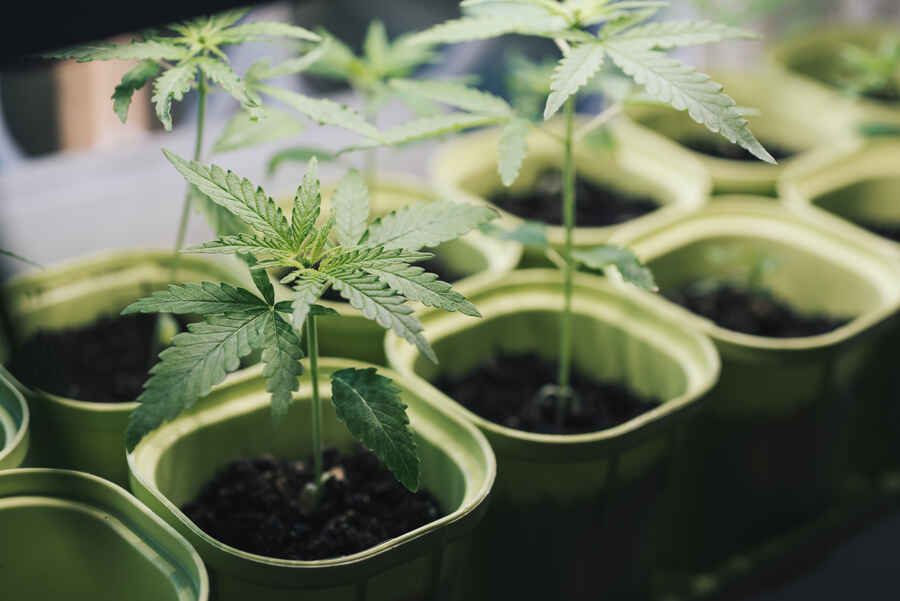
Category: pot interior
<point>870,201</point>
<point>602,348</point>
<point>795,274</point>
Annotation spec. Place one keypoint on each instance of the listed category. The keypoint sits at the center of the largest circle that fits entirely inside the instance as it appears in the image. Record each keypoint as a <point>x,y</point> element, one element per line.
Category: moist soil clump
<point>722,149</point>
<point>104,362</point>
<point>256,505</point>
<point>507,390</point>
<point>750,311</point>
<point>596,205</point>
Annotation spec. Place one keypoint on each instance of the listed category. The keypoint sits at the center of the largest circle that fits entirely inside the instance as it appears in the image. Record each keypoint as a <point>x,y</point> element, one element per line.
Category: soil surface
<point>506,391</point>
<point>596,205</point>
<point>885,230</point>
<point>756,312</point>
<point>255,505</point>
<point>723,149</point>
<point>104,362</point>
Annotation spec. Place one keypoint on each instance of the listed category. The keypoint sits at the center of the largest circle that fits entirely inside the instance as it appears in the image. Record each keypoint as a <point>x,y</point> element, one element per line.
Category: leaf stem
<point>198,150</point>
<point>312,350</point>
<point>371,155</point>
<point>565,331</point>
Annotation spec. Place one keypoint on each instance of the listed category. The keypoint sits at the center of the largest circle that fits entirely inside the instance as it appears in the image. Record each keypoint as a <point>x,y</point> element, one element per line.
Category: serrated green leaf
<point>261,281</point>
<point>239,243</point>
<point>320,311</point>
<point>133,80</point>
<point>673,82</point>
<point>351,208</point>
<point>454,94</point>
<point>416,284</point>
<point>375,45</point>
<point>281,356</point>
<point>307,203</point>
<point>243,131</point>
<point>360,257</point>
<point>204,298</point>
<point>426,224</point>
<point>629,266</point>
<point>512,150</point>
<point>573,71</point>
<point>676,34</point>
<point>491,26</point>
<point>371,408</point>
<point>403,57</point>
<point>430,127</point>
<point>197,360</point>
<point>264,30</point>
<point>299,154</point>
<point>306,293</point>
<point>221,74</point>
<point>172,85</point>
<point>238,195</point>
<point>220,219</point>
<point>530,233</point>
<point>376,301</point>
<point>323,111</point>
<point>138,50</point>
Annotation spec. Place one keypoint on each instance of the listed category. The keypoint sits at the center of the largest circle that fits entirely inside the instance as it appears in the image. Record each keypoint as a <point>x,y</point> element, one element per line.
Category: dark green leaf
<point>134,79</point>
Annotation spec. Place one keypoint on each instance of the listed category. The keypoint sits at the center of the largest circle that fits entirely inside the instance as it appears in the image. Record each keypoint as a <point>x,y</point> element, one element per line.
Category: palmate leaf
<point>375,256</point>
<point>351,208</point>
<point>138,50</point>
<point>512,150</point>
<point>675,34</point>
<point>306,292</point>
<point>307,202</point>
<point>281,356</point>
<point>669,80</point>
<point>240,243</point>
<point>221,74</point>
<point>573,71</point>
<point>371,408</point>
<point>172,85</point>
<point>237,195</point>
<point>197,360</point>
<point>133,80</point>
<point>454,94</point>
<point>629,266</point>
<point>198,298</point>
<point>323,111</point>
<point>416,284</point>
<point>376,301</point>
<point>264,30</point>
<point>426,224</point>
<point>243,131</point>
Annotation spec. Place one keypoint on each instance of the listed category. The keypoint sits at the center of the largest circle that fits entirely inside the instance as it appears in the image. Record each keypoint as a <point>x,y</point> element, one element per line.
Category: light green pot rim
<point>835,167</point>
<point>390,552</point>
<point>702,369</point>
<point>113,498</point>
<point>105,268</point>
<point>14,449</point>
<point>737,215</point>
<point>637,148</point>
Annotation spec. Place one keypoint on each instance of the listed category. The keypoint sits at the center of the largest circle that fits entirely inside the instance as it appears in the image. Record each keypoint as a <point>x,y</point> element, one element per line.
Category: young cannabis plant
<point>192,57</point>
<point>874,73</point>
<point>589,33</point>
<point>369,264</point>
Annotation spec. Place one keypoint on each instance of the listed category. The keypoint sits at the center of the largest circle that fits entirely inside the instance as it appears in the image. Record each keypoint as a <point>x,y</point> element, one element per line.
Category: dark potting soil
<point>104,362</point>
<point>255,505</point>
<point>756,312</point>
<point>723,149</point>
<point>885,230</point>
<point>505,390</point>
<point>596,204</point>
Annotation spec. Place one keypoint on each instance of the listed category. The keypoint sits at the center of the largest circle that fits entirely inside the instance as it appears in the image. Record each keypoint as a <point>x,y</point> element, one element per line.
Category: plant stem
<point>565,330</point>
<point>198,150</point>
<point>312,350</point>
<point>371,156</point>
<point>598,121</point>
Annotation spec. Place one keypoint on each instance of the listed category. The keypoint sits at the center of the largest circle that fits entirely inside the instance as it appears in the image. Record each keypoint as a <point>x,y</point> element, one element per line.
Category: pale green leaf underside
<point>454,94</point>
<point>512,149</point>
<point>243,131</point>
<point>572,72</point>
<point>675,34</point>
<point>262,69</point>
<point>351,208</point>
<point>629,266</point>
<point>240,243</point>
<point>172,85</point>
<point>371,408</point>
<point>416,284</point>
<point>483,27</point>
<point>437,125</point>
<point>426,224</point>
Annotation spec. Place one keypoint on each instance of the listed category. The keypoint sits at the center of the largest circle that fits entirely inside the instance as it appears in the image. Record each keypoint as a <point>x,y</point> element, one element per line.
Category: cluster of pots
<point>754,434</point>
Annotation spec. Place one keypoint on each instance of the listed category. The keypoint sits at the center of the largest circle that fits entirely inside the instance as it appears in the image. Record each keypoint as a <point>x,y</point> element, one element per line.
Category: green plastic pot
<point>811,67</point>
<point>573,516</point>
<point>14,425</point>
<point>771,447</point>
<point>73,536</point>
<point>70,433</point>
<point>480,258</point>
<point>467,169</point>
<point>780,122</point>
<point>169,467</point>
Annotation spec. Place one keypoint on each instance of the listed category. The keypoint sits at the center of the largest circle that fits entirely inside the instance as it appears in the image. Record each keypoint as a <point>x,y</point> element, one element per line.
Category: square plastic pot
<point>73,536</point>
<point>71,433</point>
<point>467,169</point>
<point>169,467</point>
<point>770,448</point>
<point>574,516</point>
<point>14,424</point>
<point>479,258</point>
<point>781,122</point>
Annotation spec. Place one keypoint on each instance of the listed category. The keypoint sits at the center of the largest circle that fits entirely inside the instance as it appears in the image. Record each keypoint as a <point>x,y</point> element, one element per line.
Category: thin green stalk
<point>565,330</point>
<point>371,156</point>
<point>312,349</point>
<point>198,150</point>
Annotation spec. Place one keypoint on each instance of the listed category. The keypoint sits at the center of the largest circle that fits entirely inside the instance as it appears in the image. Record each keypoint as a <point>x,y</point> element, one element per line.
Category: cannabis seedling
<point>588,32</point>
<point>874,73</point>
<point>369,264</point>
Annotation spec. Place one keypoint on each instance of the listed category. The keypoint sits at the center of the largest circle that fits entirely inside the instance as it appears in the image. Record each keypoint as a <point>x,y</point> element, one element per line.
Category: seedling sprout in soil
<point>587,33</point>
<point>368,263</point>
